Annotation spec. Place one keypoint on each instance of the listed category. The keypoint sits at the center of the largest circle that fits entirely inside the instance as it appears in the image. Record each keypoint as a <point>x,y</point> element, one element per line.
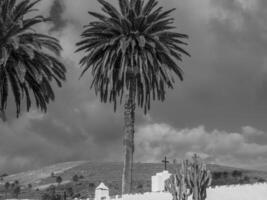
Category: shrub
<point>51,194</point>
<point>261,180</point>
<point>225,174</point>
<point>59,179</point>
<point>70,192</point>
<point>216,175</point>
<point>236,173</point>
<point>81,177</point>
<point>140,186</point>
<point>4,175</point>
<point>246,179</point>
<point>75,178</point>
<point>91,185</point>
<point>30,186</point>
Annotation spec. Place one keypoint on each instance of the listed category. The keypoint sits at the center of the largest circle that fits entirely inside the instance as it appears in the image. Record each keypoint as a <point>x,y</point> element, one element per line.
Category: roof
<point>102,187</point>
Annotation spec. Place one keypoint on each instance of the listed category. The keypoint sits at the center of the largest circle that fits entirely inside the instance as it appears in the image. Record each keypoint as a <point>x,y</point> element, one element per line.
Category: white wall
<point>149,196</point>
<point>244,192</point>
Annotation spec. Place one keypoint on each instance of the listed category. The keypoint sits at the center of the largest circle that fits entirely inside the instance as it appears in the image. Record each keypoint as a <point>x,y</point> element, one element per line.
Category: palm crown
<point>27,61</point>
<point>134,46</point>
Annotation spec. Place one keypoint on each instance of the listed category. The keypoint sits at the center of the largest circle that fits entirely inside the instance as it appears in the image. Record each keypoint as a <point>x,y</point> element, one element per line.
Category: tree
<point>70,192</point>
<point>7,185</point>
<point>16,191</point>
<point>30,186</point>
<point>12,185</point>
<point>28,59</point>
<point>75,178</point>
<point>16,188</point>
<point>64,195</point>
<point>133,53</point>
<point>58,180</point>
<point>50,194</point>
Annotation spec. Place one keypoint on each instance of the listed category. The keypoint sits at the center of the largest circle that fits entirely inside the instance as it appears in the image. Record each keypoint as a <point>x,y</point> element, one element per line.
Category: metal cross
<point>165,161</point>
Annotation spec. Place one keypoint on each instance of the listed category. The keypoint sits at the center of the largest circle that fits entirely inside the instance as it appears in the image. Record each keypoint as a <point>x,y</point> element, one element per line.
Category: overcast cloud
<point>220,110</point>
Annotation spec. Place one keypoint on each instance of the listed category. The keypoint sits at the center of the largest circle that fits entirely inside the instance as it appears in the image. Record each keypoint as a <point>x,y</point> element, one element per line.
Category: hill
<point>35,176</point>
<point>89,175</point>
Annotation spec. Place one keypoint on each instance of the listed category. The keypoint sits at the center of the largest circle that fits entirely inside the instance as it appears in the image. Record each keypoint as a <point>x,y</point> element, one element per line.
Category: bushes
<point>237,174</point>
<point>59,179</point>
<point>75,178</point>
<point>261,180</point>
<point>91,185</point>
<point>216,175</point>
<point>14,188</point>
<point>51,194</point>
<point>225,174</point>
<point>140,186</point>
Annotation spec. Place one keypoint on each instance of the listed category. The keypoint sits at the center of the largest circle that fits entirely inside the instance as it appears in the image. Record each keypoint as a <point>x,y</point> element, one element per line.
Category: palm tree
<point>133,53</point>
<point>27,61</point>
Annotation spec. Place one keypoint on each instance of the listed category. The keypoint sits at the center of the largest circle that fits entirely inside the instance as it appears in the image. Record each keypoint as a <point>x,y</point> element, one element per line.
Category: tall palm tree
<point>133,54</point>
<point>28,59</point>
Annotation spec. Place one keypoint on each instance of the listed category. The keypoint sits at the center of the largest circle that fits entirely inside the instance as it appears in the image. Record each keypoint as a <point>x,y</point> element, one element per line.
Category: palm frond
<point>134,48</point>
<point>25,68</point>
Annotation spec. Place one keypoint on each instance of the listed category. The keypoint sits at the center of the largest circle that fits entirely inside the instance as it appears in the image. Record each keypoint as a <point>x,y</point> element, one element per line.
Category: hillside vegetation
<point>81,178</point>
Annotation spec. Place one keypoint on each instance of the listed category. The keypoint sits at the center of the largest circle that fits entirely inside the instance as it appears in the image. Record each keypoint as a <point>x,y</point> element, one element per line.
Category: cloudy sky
<point>220,110</point>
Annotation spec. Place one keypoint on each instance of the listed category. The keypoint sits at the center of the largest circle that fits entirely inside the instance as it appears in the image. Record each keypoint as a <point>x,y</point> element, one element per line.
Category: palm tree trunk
<point>128,141</point>
<point>2,115</point>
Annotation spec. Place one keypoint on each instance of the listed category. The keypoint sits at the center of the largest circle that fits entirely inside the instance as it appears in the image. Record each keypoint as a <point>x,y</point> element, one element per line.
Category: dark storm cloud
<point>220,109</point>
<point>225,76</point>
<point>241,25</point>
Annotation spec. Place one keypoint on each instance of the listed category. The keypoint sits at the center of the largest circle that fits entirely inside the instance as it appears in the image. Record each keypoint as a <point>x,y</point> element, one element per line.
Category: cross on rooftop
<point>165,161</point>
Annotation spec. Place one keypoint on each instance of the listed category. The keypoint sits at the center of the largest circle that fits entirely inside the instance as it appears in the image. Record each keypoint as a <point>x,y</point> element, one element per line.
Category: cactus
<point>177,183</point>
<point>192,178</point>
<point>198,178</point>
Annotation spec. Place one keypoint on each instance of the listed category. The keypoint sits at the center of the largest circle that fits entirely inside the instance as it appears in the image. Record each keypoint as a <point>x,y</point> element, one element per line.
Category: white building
<point>102,192</point>
<point>158,181</point>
